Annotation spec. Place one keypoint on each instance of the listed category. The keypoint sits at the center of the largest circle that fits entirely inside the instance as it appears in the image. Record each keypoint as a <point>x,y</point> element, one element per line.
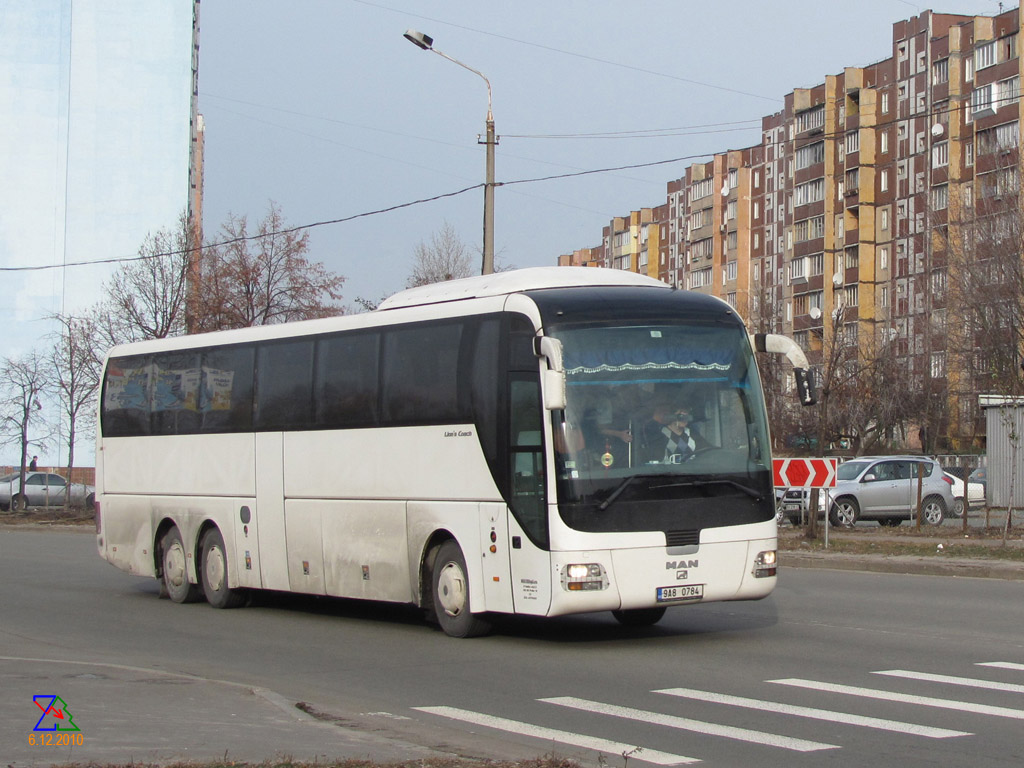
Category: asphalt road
<point>837,668</point>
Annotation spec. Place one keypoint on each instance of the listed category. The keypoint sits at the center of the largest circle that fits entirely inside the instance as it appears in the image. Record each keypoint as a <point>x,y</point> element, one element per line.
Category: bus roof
<point>501,283</point>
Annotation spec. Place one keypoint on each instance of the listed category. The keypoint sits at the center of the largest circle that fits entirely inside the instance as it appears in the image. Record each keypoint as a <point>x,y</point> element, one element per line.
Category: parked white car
<point>975,496</point>
<point>43,489</point>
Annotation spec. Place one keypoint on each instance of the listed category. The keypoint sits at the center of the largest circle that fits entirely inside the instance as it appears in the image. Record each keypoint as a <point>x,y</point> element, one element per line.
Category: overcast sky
<point>323,107</point>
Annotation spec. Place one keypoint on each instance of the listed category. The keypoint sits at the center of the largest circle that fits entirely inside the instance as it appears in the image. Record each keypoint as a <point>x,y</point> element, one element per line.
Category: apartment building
<point>843,224</point>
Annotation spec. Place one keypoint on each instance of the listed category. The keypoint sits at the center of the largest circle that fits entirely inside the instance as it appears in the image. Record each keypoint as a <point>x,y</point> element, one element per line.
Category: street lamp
<point>427,44</point>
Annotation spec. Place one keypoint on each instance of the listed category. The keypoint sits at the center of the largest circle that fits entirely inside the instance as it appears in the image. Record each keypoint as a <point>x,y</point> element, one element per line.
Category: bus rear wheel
<point>639,617</point>
<point>174,569</point>
<point>450,592</point>
<point>213,563</point>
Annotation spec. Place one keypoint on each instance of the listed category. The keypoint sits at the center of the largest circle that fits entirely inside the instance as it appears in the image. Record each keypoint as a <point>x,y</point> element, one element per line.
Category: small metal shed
<point>1004,424</point>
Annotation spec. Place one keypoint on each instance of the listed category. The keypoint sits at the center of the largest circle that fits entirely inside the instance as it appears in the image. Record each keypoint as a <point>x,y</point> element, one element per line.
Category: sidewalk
<point>115,714</point>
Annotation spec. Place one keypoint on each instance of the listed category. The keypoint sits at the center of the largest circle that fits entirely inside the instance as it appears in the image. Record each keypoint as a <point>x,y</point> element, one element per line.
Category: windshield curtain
<point>660,420</point>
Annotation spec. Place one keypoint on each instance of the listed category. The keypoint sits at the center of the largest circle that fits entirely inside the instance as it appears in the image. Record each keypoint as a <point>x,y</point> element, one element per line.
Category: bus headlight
<point>765,564</point>
<point>580,577</point>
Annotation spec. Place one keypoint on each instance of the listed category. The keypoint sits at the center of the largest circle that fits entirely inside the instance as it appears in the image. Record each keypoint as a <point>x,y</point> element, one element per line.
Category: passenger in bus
<point>668,437</point>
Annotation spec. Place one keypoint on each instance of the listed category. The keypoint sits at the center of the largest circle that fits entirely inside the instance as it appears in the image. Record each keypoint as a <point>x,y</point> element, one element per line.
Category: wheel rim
<point>958,508</point>
<point>215,568</point>
<point>174,565</point>
<point>933,513</point>
<point>844,514</point>
<point>451,589</point>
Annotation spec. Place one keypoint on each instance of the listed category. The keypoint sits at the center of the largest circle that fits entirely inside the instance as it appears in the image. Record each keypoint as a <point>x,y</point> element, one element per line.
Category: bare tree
<point>444,257</point>
<point>263,278</point>
<point>22,383</point>
<point>146,298</point>
<point>76,362</point>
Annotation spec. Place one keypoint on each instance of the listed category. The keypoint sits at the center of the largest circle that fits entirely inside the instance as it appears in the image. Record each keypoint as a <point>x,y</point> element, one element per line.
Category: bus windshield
<point>664,427</point>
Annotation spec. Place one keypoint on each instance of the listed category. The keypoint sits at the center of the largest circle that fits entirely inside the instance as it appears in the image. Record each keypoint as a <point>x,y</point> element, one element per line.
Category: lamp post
<point>427,44</point>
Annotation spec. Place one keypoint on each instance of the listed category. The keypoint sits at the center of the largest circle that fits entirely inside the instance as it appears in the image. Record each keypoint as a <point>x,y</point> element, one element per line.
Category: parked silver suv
<point>884,488</point>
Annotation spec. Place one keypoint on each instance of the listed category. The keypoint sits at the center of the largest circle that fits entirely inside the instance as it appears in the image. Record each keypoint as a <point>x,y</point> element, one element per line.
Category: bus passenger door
<point>528,523</point>
<point>273,562</point>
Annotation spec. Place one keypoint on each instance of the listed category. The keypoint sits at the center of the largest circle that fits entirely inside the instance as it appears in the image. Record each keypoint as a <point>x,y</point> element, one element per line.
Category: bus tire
<point>213,565</point>
<point>639,617</point>
<point>450,592</point>
<point>174,569</point>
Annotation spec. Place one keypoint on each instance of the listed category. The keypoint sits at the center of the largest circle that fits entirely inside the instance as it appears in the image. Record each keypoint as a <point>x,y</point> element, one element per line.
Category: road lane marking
<point>1002,665</point>
<point>967,682</point>
<point>695,726</point>
<point>562,737</point>
<point>904,698</point>
<point>815,714</point>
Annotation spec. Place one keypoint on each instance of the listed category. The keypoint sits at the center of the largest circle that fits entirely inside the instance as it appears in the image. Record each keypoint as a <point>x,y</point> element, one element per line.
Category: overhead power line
<point>342,220</point>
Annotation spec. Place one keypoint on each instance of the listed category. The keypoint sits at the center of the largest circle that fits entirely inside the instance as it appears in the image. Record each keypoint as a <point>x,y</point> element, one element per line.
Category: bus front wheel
<point>450,592</point>
<point>174,569</point>
<point>214,568</point>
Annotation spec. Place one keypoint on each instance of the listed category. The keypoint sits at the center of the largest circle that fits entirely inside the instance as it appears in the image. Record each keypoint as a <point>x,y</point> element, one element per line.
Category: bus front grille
<point>682,538</point>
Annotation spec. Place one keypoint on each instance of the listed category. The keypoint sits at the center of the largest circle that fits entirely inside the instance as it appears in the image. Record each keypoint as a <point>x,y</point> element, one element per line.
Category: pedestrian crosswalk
<point>832,694</point>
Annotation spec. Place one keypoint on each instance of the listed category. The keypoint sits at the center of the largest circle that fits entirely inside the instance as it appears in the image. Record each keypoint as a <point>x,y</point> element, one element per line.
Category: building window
<point>940,197</point>
<point>884,219</point>
<point>852,181</point>
<point>1009,91</point>
<point>884,143</point>
<point>968,154</point>
<point>811,119</point>
<point>885,103</point>
<point>883,181</point>
<point>981,100</point>
<point>940,72</point>
<point>1001,137</point>
<point>812,154</point>
<point>940,154</point>
<point>701,189</point>
<point>938,365</point>
<point>985,55</point>
<point>883,258</point>
<point>809,192</point>
<point>1008,48</point>
<point>816,264</point>
<point>852,142</point>
<point>852,258</point>
<point>809,229</point>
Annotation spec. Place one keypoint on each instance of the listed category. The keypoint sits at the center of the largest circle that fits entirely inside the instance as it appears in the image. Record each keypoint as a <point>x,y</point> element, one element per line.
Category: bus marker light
<point>765,564</point>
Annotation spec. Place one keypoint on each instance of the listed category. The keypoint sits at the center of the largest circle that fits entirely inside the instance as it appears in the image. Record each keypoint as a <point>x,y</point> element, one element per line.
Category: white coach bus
<point>547,441</point>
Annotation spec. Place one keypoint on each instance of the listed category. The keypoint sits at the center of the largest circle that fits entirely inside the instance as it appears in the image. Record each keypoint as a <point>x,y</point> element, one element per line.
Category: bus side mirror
<point>553,378</point>
<point>783,345</point>
<point>554,390</point>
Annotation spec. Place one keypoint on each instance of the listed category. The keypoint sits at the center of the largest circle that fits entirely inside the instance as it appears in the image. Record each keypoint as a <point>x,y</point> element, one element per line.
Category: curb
<point>910,564</point>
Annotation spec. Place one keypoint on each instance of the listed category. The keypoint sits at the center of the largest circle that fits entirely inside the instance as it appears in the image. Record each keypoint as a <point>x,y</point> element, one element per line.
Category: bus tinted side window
<point>347,372</point>
<point>284,385</point>
<point>175,393</point>
<point>225,397</point>
<point>420,374</point>
<point>126,393</point>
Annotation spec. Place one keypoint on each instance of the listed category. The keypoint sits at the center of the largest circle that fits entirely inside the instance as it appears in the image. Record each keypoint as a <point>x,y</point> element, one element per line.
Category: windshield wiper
<point>751,492</point>
<point>625,484</point>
